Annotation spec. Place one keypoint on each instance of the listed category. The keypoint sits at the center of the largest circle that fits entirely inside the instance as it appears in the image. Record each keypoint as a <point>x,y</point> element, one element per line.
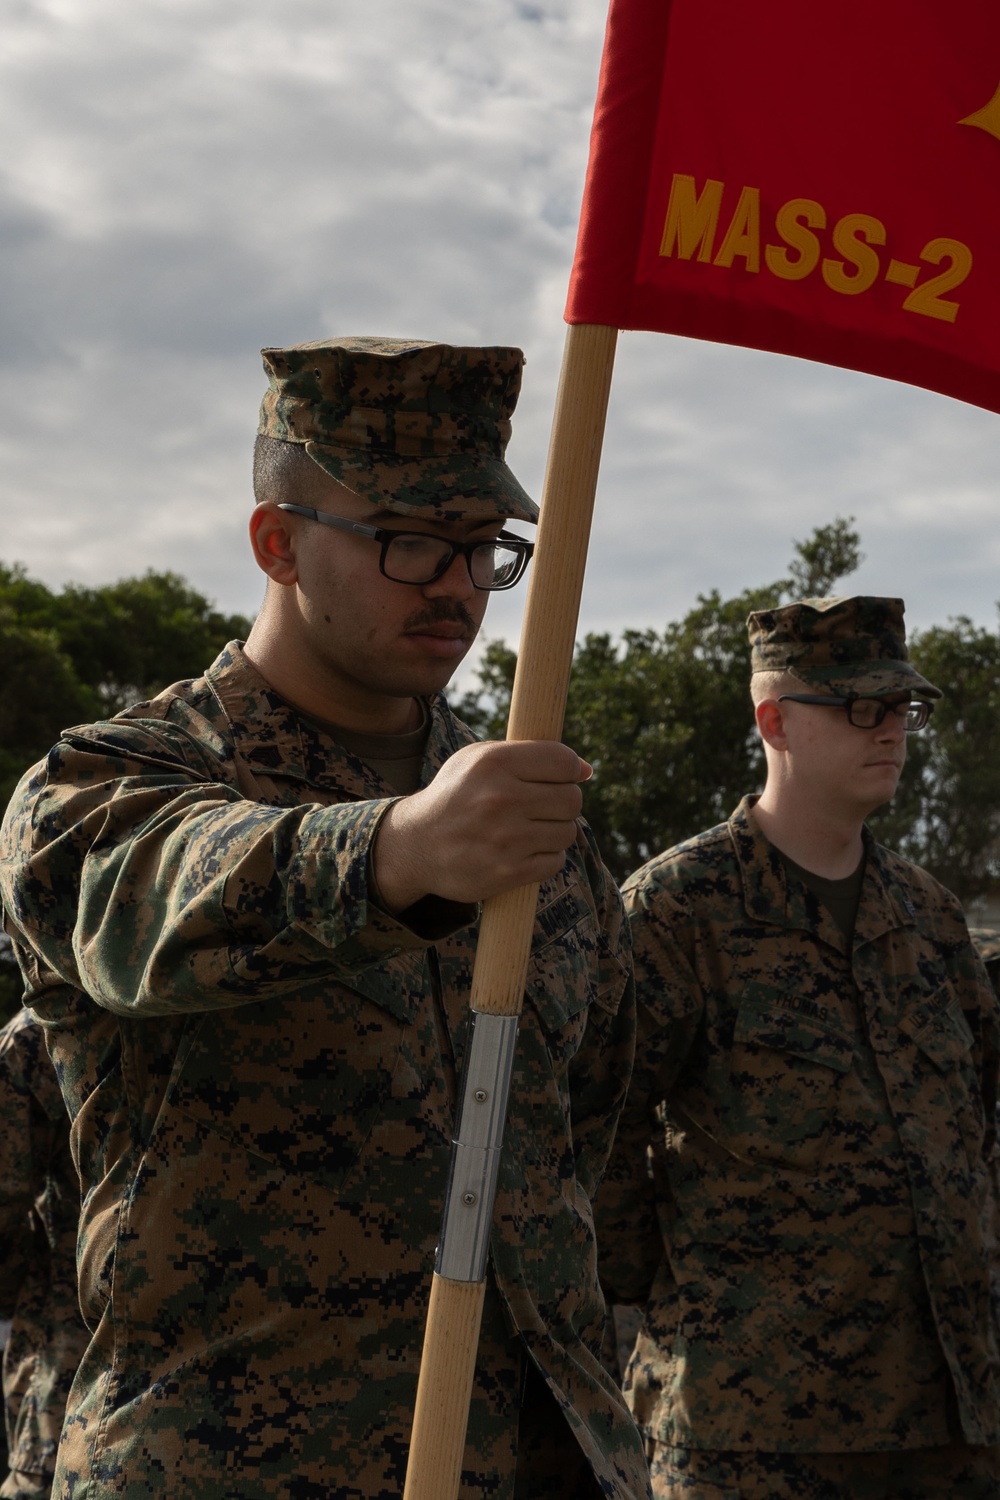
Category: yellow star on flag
<point>987,118</point>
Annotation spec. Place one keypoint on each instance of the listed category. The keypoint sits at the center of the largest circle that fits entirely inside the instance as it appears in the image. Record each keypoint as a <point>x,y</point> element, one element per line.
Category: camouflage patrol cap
<point>419,427</point>
<point>846,645</point>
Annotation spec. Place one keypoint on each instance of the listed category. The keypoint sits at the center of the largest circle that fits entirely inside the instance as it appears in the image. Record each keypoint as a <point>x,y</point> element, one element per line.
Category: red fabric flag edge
<point>621,150</point>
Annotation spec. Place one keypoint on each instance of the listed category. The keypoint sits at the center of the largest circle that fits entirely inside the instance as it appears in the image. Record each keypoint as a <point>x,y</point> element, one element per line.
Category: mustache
<point>437,610</point>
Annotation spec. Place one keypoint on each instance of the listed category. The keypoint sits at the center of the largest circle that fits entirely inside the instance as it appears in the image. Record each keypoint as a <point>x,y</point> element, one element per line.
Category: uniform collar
<point>274,740</point>
<point>885,899</point>
<point>772,894</point>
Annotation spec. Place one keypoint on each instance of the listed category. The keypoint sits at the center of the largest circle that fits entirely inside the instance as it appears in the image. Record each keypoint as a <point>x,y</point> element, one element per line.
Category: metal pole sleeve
<point>475,1157</point>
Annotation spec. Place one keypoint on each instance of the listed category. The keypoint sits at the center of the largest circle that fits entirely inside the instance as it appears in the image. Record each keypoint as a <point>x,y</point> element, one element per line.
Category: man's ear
<point>771,723</point>
<point>273,544</point>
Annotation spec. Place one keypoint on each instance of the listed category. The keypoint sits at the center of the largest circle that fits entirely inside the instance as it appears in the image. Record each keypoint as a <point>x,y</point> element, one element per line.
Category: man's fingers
<point>496,816</point>
<point>545,761</point>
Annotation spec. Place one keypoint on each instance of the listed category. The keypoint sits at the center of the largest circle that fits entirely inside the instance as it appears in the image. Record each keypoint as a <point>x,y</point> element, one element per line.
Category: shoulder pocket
<point>940,1030</point>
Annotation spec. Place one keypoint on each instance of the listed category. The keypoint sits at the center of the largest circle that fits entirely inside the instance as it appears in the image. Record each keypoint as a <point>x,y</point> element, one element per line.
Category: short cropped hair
<point>773,684</point>
<point>282,472</point>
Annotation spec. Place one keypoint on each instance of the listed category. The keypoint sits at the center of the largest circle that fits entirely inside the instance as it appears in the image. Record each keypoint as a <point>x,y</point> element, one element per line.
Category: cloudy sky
<point>185,181</point>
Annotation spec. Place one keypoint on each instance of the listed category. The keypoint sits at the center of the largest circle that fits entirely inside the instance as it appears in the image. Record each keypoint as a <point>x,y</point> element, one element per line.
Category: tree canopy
<point>79,654</point>
<point>84,653</point>
<point>666,720</point>
<point>946,813</point>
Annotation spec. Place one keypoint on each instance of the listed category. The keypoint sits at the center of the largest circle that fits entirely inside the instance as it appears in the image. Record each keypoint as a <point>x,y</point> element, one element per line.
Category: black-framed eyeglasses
<point>868,713</point>
<point>418,557</point>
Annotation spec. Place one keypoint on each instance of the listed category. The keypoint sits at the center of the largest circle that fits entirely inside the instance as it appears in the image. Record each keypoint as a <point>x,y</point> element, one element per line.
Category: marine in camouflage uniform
<point>803,1189</point>
<point>39,1212</point>
<point>259,1008</point>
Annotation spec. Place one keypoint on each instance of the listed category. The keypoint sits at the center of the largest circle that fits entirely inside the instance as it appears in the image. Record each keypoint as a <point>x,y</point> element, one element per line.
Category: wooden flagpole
<point>447,1369</point>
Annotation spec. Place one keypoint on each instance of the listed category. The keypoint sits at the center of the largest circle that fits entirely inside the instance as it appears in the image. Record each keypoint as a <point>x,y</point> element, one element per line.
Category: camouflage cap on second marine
<point>419,427</point>
<point>853,646</point>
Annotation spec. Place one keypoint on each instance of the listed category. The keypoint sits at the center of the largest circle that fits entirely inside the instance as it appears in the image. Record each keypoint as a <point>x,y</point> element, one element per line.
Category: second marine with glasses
<point>802,1193</point>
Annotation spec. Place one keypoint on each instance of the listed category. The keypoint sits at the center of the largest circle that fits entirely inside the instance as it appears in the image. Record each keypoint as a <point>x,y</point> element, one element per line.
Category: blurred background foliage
<point>84,653</point>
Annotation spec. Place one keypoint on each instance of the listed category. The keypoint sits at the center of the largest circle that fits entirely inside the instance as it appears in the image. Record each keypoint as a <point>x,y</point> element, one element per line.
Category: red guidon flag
<point>813,179</point>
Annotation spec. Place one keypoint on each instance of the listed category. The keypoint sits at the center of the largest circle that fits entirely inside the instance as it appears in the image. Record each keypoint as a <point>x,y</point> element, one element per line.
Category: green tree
<point>128,639</point>
<point>85,653</point>
<point>946,813</point>
<point>41,694</point>
<point>832,552</point>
